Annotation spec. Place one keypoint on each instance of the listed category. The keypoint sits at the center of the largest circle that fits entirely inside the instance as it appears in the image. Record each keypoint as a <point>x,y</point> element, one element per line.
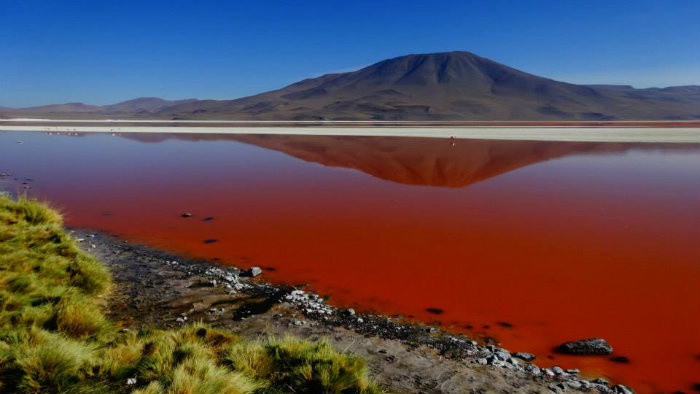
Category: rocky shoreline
<point>159,289</point>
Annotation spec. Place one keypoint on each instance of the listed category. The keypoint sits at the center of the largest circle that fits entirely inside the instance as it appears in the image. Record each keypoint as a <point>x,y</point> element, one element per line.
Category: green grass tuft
<point>55,338</point>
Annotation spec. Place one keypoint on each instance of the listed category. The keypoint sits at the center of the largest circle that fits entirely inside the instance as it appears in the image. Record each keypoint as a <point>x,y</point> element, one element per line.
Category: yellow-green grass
<point>55,338</point>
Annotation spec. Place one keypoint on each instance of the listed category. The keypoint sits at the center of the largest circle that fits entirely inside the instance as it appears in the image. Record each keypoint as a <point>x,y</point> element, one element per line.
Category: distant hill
<point>145,107</point>
<point>437,86</point>
<point>142,105</point>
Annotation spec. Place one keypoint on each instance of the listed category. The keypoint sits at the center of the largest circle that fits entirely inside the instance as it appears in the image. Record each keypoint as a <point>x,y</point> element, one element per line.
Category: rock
<point>482,361</point>
<point>533,369</point>
<point>502,355</point>
<point>131,381</point>
<point>601,381</point>
<point>498,363</point>
<point>573,371</point>
<point>186,215</point>
<point>524,356</point>
<point>557,370</point>
<point>350,312</point>
<point>574,384</point>
<point>620,359</point>
<point>254,271</point>
<point>593,346</point>
<point>620,389</point>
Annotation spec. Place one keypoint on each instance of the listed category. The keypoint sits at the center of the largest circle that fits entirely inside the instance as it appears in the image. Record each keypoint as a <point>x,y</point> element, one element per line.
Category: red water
<point>559,240</point>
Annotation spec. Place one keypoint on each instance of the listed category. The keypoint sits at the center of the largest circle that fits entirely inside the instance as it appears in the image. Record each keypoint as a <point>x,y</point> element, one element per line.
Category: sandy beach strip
<point>623,133</point>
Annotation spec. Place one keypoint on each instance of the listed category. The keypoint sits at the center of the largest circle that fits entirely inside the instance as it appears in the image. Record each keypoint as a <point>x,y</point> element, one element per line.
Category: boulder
<point>592,346</point>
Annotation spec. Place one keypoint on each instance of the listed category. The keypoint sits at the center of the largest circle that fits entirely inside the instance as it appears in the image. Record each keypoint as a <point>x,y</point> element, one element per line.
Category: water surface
<point>531,243</point>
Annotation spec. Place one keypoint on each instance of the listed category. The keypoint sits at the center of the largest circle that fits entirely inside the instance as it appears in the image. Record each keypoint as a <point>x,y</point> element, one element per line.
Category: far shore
<point>606,131</point>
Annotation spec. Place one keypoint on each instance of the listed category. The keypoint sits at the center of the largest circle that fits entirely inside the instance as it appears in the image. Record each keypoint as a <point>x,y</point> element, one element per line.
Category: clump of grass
<point>301,366</point>
<point>54,337</point>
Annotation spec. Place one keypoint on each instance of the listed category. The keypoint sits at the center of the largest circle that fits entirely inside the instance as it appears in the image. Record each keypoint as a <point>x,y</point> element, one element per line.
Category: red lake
<point>531,243</point>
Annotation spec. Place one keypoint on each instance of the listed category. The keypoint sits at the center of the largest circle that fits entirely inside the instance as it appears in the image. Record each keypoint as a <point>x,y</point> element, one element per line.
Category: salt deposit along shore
<point>652,132</point>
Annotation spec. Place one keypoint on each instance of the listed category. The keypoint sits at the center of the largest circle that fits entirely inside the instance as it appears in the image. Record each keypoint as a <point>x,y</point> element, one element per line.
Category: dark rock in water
<point>620,359</point>
<point>186,215</point>
<point>208,219</point>
<point>505,324</point>
<point>592,346</point>
<point>210,241</point>
<point>601,381</point>
<point>435,311</point>
<point>524,356</point>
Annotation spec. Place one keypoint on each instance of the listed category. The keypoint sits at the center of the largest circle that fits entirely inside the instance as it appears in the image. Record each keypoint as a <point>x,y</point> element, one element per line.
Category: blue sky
<point>104,52</point>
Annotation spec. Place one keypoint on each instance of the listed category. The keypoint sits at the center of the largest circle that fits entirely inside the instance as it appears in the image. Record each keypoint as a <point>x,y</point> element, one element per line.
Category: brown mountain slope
<point>437,86</point>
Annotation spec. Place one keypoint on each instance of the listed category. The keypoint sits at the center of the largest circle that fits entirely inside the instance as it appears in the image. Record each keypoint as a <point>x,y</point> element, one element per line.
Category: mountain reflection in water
<point>416,161</point>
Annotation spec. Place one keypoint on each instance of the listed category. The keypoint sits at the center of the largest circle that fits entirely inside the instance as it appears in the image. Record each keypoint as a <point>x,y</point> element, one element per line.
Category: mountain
<point>141,107</point>
<point>437,86</point>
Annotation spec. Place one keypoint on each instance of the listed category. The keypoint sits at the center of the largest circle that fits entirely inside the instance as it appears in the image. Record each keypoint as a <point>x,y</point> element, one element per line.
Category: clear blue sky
<point>107,51</point>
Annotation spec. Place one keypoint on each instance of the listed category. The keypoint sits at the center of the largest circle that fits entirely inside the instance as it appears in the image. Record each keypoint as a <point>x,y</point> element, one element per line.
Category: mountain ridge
<point>436,86</point>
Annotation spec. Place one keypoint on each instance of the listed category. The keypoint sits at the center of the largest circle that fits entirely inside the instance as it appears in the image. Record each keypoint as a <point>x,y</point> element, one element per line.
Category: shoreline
<point>626,131</point>
<point>156,288</point>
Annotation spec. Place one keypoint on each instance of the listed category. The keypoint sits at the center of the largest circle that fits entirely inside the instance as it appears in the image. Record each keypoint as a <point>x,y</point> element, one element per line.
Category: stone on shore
<point>524,356</point>
<point>255,271</point>
<point>620,389</point>
<point>593,346</point>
